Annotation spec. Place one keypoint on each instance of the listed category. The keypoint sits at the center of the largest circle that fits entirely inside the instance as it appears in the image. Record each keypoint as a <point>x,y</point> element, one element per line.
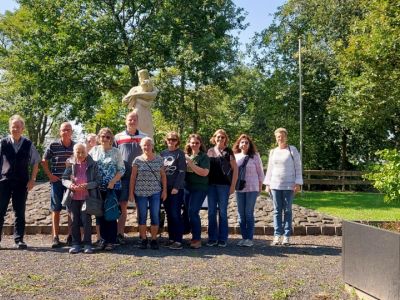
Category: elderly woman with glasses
<point>175,169</point>
<point>222,181</point>
<point>111,166</point>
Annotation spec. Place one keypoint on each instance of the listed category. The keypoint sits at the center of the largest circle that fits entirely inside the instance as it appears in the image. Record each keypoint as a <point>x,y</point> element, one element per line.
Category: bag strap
<point>294,166</point>
<point>152,171</point>
<point>246,160</point>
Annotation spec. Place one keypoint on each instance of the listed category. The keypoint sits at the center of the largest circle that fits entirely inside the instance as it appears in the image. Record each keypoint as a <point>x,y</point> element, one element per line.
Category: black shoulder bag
<point>241,182</point>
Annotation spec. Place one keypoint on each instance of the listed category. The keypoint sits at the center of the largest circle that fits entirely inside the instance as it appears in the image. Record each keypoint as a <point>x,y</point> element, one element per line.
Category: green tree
<point>367,96</point>
<point>320,25</point>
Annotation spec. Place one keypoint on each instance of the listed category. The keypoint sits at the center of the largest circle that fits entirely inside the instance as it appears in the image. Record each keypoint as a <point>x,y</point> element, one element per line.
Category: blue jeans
<point>153,202</point>
<point>282,200</point>
<point>193,201</point>
<point>245,204</point>
<point>173,207</point>
<point>218,196</point>
<point>57,192</point>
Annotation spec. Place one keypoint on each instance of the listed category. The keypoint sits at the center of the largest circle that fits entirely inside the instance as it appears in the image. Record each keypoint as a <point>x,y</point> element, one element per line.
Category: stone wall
<point>305,221</point>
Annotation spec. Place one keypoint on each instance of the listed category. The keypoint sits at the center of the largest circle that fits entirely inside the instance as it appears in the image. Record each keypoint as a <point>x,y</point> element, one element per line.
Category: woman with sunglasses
<point>111,166</point>
<point>222,177</point>
<point>198,165</point>
<point>252,175</point>
<point>175,169</point>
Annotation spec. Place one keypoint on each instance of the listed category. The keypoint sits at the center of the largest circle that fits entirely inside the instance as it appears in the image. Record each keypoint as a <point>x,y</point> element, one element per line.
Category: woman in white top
<point>283,180</point>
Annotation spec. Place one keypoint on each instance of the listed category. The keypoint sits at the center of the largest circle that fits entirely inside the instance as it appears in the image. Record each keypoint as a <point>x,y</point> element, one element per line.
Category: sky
<point>260,14</point>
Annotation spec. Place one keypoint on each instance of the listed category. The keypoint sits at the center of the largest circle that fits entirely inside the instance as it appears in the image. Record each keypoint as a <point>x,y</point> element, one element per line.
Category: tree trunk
<point>344,162</point>
<point>182,103</point>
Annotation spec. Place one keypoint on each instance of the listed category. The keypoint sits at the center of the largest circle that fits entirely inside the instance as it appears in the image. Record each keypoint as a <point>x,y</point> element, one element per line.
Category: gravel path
<point>309,269</point>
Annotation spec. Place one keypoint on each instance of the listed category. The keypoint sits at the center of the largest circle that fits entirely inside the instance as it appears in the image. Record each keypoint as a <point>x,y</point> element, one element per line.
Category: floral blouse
<point>110,162</point>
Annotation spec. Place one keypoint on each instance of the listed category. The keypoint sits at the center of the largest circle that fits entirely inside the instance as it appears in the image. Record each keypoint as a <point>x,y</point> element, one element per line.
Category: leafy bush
<point>386,175</point>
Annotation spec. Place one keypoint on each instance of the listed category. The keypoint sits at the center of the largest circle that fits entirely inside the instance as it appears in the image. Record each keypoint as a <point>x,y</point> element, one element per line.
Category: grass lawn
<point>350,205</point>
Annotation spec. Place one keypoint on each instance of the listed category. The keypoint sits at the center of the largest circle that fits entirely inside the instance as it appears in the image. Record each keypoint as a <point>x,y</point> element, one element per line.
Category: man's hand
<point>30,185</point>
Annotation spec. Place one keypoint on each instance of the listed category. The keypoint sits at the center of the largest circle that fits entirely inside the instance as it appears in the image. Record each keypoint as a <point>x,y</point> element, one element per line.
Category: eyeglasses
<point>220,137</point>
<point>171,139</point>
<point>107,137</point>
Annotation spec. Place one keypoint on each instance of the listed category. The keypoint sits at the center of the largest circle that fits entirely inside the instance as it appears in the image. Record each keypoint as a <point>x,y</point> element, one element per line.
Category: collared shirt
<point>57,154</point>
<point>129,146</point>
<point>34,154</point>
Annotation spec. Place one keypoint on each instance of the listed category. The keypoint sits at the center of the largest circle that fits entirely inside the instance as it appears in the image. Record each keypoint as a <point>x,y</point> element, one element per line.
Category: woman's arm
<point>259,170</point>
<point>164,184</point>
<point>132,183</point>
<point>267,179</point>
<point>96,180</point>
<point>66,177</point>
<point>198,170</point>
<point>234,175</point>
<point>181,169</point>
<point>120,169</point>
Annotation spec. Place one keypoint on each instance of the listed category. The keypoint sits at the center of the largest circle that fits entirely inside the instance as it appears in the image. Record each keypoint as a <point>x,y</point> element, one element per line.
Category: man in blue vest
<point>17,153</point>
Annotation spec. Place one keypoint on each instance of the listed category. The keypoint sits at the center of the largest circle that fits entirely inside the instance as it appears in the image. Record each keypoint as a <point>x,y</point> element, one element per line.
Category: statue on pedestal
<point>141,98</point>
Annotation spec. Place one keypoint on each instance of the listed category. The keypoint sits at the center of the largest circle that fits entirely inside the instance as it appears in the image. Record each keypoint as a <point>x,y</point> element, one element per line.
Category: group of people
<point>180,179</point>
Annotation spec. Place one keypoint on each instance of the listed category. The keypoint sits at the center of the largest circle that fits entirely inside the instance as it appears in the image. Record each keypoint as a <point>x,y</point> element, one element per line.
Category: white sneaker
<point>286,241</point>
<point>276,240</point>
<point>248,243</point>
<point>240,243</point>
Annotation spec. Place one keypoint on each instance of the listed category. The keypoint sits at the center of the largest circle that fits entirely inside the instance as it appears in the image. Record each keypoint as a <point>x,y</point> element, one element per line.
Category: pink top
<point>254,172</point>
<point>80,178</point>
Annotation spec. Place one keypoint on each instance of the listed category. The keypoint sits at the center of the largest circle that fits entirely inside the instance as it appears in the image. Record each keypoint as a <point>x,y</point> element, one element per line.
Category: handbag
<point>93,205</point>
<point>112,210</point>
<point>241,182</point>
<point>67,198</point>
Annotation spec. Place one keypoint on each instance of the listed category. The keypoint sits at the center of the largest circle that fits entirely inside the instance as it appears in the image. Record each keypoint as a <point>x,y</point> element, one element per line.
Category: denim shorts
<point>56,195</point>
<point>124,192</point>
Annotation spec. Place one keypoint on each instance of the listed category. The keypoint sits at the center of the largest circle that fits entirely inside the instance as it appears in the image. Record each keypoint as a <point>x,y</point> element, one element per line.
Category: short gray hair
<point>79,145</point>
<point>145,139</point>
<point>281,130</point>
<point>16,118</point>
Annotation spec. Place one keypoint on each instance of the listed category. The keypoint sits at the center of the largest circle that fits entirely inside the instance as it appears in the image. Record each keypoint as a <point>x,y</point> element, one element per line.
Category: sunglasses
<point>220,137</point>
<point>171,139</point>
<point>195,143</point>
<point>107,137</point>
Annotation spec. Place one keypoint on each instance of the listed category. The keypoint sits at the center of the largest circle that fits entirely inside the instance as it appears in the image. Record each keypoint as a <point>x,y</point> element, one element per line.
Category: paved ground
<point>309,269</point>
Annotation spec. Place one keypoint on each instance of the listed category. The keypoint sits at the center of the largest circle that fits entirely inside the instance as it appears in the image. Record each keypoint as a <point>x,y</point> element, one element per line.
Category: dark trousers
<point>108,229</point>
<point>173,207</point>
<point>17,192</point>
<point>80,218</point>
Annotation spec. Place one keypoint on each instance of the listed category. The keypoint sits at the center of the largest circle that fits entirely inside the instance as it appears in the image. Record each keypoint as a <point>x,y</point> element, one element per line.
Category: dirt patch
<point>309,269</point>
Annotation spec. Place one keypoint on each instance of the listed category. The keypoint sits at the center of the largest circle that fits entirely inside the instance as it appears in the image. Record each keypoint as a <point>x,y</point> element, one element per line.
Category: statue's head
<point>143,75</point>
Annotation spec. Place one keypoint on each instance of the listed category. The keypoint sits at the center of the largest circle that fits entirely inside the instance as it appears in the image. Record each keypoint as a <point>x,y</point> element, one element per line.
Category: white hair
<point>145,139</point>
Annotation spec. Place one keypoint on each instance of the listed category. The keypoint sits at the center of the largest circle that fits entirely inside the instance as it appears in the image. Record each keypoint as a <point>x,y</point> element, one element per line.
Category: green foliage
<point>386,175</point>
<point>368,91</point>
<point>76,59</point>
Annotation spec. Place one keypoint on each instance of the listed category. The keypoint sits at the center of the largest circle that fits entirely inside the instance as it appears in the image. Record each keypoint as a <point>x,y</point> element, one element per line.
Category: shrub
<point>386,175</point>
